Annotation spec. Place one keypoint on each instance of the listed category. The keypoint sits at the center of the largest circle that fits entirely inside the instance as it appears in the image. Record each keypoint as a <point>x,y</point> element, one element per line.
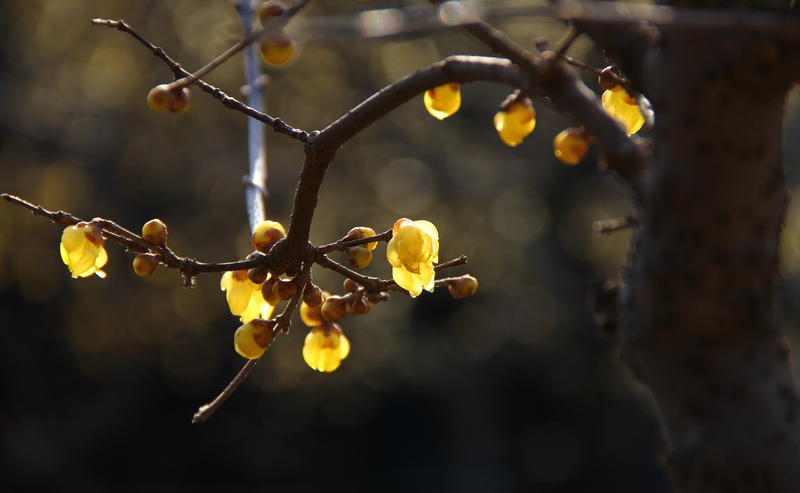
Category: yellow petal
<point>225,282</point>
<point>344,347</point>
<point>407,280</point>
<point>426,277</point>
<point>238,296</point>
<point>428,228</point>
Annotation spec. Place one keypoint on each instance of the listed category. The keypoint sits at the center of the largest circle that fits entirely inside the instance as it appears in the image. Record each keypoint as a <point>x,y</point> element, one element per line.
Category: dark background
<point>510,390</point>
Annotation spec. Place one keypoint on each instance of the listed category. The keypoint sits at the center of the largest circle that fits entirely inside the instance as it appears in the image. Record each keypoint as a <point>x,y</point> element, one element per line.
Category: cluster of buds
<point>83,249</point>
<point>250,294</point>
<point>165,97</point>
<point>325,345</point>
<point>276,47</point>
<point>154,231</point>
<point>360,256</point>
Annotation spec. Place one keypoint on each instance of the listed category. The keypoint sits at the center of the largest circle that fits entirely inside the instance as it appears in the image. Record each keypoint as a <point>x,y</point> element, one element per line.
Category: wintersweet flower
<point>266,235</point>
<point>244,296</point>
<point>570,146</point>
<point>413,249</point>
<point>443,101</point>
<point>325,347</point>
<point>620,105</point>
<point>82,250</point>
<point>252,338</point>
<point>515,122</point>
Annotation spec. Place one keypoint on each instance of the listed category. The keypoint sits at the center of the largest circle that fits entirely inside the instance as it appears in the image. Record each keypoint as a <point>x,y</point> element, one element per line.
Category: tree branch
<point>276,124</point>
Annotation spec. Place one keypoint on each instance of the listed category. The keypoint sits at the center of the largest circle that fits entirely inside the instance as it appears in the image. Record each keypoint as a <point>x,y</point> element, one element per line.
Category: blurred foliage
<point>510,390</point>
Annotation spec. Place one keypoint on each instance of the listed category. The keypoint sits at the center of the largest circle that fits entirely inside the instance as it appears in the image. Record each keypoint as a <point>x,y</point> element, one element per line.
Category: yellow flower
<point>515,122</point>
<point>252,338</point>
<point>277,48</point>
<point>620,105</point>
<point>413,249</point>
<point>570,146</point>
<point>82,250</point>
<point>266,235</point>
<point>325,347</point>
<point>443,101</point>
<point>244,297</point>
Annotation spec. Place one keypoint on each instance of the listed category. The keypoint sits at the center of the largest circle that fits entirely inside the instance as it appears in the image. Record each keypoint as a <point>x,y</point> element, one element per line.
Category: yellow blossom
<point>443,101</point>
<point>244,296</point>
<point>570,146</point>
<point>82,250</point>
<point>413,249</point>
<point>325,347</point>
<point>266,235</point>
<point>515,122</point>
<point>252,338</point>
<point>620,105</point>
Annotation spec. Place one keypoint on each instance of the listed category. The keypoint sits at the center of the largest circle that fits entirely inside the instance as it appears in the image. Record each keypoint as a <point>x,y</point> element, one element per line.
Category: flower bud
<point>334,308</point>
<point>515,122</point>
<point>145,265</point>
<point>358,256</point>
<point>570,146</point>
<point>257,275</point>
<point>350,285</point>
<point>268,11</point>
<point>362,232</point>
<point>285,289</point>
<point>266,235</point>
<point>277,48</point>
<point>164,97</point>
<point>312,294</point>
<point>359,306</point>
<point>606,79</point>
<point>311,315</point>
<point>463,286</point>
<point>155,231</point>
<point>268,291</point>
<point>252,338</point>
<point>443,101</point>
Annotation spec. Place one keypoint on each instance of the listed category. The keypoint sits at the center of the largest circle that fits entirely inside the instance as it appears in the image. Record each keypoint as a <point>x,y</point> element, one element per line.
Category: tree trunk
<point>703,318</point>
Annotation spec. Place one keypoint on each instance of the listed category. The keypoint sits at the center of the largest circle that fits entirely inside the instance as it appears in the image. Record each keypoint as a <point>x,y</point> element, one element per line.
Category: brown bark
<point>703,325</point>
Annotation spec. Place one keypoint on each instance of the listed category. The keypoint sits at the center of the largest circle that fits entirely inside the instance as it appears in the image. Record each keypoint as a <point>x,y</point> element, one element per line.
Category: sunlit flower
<point>620,105</point>
<point>413,249</point>
<point>252,338</point>
<point>244,297</point>
<point>82,250</point>
<point>325,347</point>
<point>570,146</point>
<point>267,234</point>
<point>277,48</point>
<point>443,101</point>
<point>515,122</point>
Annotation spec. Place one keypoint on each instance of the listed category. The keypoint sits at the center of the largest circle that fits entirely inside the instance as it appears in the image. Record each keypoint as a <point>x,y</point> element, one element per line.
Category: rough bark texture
<point>703,324</point>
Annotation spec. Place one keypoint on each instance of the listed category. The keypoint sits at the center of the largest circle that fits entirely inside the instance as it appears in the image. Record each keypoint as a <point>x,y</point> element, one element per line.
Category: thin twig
<point>113,232</point>
<point>340,245</point>
<point>609,226</point>
<point>275,24</point>
<point>206,411</point>
<point>283,320</point>
<point>276,124</point>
